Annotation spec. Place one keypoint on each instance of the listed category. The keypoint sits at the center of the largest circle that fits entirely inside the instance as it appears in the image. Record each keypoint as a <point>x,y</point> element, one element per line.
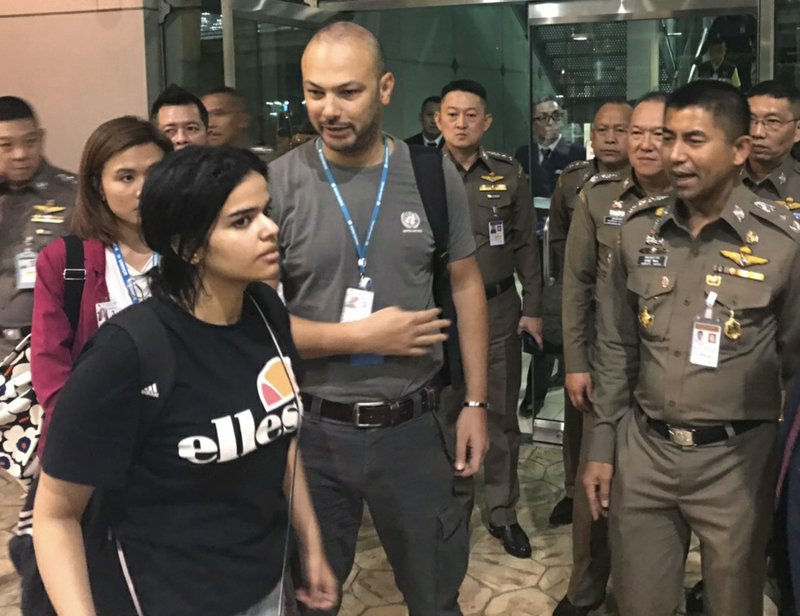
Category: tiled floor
<point>496,584</point>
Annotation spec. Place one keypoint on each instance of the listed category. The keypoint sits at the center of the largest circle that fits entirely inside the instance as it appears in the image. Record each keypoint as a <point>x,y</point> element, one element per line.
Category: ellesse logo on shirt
<point>238,435</point>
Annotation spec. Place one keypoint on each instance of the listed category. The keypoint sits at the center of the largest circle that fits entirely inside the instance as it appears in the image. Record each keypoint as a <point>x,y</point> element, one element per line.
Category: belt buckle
<point>357,414</point>
<point>682,436</point>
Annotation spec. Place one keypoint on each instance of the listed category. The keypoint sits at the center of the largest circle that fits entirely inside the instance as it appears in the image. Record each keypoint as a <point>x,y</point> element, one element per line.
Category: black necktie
<point>431,144</point>
<point>546,154</point>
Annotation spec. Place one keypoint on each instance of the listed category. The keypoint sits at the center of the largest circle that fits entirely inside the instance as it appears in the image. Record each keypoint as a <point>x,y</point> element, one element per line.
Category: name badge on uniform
<point>25,269</point>
<point>653,261</point>
<point>497,235</point>
<point>358,305</point>
<point>705,343</point>
<point>615,217</point>
<point>105,310</point>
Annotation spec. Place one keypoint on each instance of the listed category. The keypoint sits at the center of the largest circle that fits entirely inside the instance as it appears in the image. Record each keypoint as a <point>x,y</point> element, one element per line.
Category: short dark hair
<point>779,90</point>
<point>465,85</point>
<point>726,104</point>
<point>14,108</point>
<point>222,90</point>
<point>175,96</point>
<point>92,218</point>
<point>654,96</point>
<point>180,201</point>
<point>431,99</point>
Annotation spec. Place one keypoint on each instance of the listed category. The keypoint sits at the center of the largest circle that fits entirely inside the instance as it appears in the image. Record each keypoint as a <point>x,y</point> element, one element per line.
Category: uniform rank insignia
<point>646,319</point>
<point>47,218</point>
<point>49,208</point>
<point>490,187</point>
<point>743,258</point>
<point>734,271</point>
<point>713,280</point>
<point>492,177</point>
<point>751,237</point>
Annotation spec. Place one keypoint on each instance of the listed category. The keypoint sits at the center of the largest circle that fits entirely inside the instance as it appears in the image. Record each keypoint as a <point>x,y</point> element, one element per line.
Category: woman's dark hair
<point>92,218</point>
<point>180,202</point>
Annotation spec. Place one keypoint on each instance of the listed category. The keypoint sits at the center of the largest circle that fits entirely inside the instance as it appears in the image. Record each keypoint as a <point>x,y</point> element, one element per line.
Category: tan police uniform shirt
<point>783,184</point>
<point>562,204</point>
<point>498,192</point>
<point>39,209</point>
<point>655,292</point>
<point>601,208</point>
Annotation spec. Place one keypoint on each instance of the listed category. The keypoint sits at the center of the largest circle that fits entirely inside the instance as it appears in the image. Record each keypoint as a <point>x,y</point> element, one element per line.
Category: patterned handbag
<point>20,415</point>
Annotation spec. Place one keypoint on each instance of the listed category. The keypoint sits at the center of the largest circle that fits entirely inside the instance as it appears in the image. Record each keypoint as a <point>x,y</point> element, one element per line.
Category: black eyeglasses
<point>545,118</point>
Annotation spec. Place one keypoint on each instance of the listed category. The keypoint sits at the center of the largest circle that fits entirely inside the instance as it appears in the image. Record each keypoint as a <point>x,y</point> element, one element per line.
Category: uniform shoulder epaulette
<point>574,166</point>
<point>777,215</point>
<point>506,158</point>
<point>604,177</point>
<point>67,178</point>
<point>648,203</point>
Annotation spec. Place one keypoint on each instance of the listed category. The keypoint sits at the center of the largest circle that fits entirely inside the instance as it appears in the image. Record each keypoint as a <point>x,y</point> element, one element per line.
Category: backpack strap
<point>156,356</point>
<point>74,279</point>
<point>427,165</point>
<point>428,171</point>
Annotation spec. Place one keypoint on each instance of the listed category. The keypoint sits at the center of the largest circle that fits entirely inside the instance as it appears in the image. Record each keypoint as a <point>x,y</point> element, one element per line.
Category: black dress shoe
<point>694,600</point>
<point>565,608</point>
<point>515,541</point>
<point>562,512</point>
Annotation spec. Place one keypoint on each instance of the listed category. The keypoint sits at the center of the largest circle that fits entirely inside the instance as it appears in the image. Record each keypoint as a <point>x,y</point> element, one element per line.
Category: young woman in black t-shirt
<point>199,492</point>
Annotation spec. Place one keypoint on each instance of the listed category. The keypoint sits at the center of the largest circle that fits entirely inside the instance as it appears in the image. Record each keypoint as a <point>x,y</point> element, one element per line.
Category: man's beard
<point>364,139</point>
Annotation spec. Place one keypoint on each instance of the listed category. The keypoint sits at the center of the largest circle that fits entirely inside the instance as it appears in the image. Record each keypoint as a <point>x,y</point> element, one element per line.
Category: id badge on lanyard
<point>358,302</point>
<point>706,335</point>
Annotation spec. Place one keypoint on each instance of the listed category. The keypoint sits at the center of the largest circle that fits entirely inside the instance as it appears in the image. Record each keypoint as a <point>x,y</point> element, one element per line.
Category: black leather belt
<point>493,290</point>
<point>378,414</point>
<point>707,435</point>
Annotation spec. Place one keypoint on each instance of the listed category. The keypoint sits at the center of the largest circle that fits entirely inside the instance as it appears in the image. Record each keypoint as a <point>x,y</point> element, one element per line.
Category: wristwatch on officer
<point>475,404</point>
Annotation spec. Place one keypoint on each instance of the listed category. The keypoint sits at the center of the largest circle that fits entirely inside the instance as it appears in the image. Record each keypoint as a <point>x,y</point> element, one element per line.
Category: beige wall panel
<point>77,69</point>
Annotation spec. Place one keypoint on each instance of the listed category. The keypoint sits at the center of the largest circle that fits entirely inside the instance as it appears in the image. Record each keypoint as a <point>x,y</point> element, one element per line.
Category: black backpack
<point>427,164</point>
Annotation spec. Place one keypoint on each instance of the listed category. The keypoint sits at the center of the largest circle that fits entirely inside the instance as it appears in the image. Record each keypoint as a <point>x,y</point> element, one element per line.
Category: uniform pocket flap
<point>743,294</point>
<point>651,283</point>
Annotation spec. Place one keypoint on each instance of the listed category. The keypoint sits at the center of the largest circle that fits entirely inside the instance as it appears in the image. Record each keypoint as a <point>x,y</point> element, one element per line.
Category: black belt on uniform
<point>377,414</point>
<point>493,290</point>
<point>706,435</point>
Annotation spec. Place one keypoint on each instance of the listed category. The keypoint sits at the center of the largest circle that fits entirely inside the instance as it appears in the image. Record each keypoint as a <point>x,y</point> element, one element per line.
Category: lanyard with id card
<point>358,301</point>
<point>497,236</point>
<point>25,266</point>
<point>134,292</point>
<point>706,334</point>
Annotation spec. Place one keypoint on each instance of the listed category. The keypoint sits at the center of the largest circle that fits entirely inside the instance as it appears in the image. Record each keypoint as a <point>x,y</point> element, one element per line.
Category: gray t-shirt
<point>319,259</point>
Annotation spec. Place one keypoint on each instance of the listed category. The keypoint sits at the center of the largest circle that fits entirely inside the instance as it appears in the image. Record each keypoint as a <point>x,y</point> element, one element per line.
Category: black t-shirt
<point>197,490</point>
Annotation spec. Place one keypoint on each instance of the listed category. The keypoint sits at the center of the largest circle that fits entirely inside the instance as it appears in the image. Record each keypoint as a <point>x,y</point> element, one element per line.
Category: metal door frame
<point>593,11</point>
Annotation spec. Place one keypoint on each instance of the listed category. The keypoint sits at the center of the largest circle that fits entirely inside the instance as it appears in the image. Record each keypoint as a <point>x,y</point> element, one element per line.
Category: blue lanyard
<point>133,291</point>
<point>361,250</point>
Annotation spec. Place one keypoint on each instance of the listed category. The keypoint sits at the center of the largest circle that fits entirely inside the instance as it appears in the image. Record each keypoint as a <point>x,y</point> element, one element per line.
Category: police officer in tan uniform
<point>35,201</point>
<point>609,142</point>
<point>697,335</point>
<point>503,221</point>
<point>600,210</point>
<point>770,171</point>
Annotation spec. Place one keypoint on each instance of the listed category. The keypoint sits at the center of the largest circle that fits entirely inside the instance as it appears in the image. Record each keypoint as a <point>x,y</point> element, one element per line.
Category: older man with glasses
<point>770,171</point>
<point>551,152</point>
